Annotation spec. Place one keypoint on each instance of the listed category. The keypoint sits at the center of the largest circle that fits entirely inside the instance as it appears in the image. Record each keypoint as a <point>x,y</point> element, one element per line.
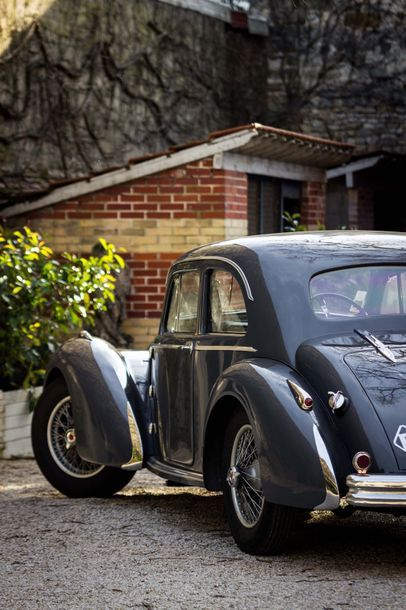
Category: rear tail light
<point>303,398</point>
<point>362,462</point>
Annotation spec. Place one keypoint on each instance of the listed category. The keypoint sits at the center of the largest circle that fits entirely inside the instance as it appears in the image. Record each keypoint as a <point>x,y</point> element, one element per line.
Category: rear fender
<point>294,446</point>
<point>108,406</point>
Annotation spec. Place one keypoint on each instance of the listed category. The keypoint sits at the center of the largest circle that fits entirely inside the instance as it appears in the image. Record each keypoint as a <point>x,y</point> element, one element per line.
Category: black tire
<point>52,423</point>
<point>258,526</point>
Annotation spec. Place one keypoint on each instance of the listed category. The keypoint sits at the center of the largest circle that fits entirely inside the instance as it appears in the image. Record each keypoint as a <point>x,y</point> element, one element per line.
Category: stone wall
<point>84,89</point>
<point>339,73</point>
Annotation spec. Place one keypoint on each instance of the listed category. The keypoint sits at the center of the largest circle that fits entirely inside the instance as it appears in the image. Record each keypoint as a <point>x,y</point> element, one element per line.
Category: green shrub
<point>292,223</point>
<point>43,298</point>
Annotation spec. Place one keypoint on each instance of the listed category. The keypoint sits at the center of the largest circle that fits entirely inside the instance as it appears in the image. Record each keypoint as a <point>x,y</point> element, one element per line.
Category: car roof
<point>313,250</point>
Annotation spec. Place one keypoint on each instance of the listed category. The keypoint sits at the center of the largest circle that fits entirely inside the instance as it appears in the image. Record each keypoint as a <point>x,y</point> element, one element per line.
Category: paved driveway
<point>160,547</point>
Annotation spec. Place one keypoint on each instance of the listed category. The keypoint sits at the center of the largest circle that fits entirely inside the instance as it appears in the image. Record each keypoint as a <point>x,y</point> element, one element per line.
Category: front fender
<point>107,406</point>
<point>296,467</point>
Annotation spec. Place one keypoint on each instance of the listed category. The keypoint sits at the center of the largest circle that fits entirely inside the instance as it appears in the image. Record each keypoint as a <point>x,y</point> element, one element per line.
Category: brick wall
<point>313,204</point>
<point>361,208</point>
<point>155,219</point>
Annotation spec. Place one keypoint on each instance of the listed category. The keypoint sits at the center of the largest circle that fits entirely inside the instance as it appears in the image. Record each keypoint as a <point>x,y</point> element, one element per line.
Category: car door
<point>173,368</point>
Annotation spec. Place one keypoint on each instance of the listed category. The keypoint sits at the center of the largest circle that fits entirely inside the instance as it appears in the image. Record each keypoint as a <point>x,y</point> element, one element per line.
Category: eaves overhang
<point>380,160</point>
<point>253,140</point>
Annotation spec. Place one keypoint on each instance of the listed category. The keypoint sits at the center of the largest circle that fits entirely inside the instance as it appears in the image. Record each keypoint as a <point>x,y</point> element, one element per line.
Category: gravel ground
<point>159,547</point>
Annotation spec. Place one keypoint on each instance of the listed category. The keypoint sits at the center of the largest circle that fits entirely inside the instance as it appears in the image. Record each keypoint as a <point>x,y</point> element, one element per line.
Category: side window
<point>183,305</point>
<point>227,311</point>
<point>173,306</point>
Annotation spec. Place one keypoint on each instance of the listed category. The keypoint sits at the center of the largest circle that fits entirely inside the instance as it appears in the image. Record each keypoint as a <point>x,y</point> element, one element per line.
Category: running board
<point>172,473</point>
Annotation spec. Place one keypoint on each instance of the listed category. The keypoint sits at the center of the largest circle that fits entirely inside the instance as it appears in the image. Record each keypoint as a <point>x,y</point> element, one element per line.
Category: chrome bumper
<point>376,490</point>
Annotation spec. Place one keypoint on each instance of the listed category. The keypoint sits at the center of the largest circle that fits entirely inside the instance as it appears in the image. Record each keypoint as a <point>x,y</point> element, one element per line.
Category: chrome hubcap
<point>233,477</point>
<point>61,438</point>
<point>70,438</point>
<point>244,478</point>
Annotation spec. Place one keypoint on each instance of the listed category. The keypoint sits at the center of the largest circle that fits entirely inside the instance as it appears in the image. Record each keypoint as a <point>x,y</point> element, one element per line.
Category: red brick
<point>171,190</point>
<point>172,206</point>
<point>105,215</point>
<point>197,188</point>
<point>137,264</point>
<point>148,189</point>
<point>119,206</point>
<point>132,215</point>
<point>133,197</point>
<point>81,214</point>
<point>186,198</point>
<point>212,181</point>
<point>184,215</point>
<point>169,256</point>
<point>145,306</point>
<point>155,298</point>
<point>148,256</point>
<point>159,215</point>
<point>148,289</point>
<point>212,199</point>
<point>158,281</point>
<point>89,205</point>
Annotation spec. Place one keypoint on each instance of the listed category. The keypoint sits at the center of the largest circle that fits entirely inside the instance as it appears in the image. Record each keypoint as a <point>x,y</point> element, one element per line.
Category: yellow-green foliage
<point>43,297</point>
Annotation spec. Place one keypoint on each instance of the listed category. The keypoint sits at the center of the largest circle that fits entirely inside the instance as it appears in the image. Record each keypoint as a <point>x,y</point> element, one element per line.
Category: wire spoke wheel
<point>54,444</point>
<point>244,478</point>
<point>259,527</point>
<point>62,442</point>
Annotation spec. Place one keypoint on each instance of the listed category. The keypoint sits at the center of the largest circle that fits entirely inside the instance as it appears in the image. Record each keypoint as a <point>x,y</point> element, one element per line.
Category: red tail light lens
<point>361,462</point>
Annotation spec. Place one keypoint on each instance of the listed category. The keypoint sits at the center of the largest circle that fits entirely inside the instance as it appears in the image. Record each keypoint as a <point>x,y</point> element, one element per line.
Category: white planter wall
<point>15,424</point>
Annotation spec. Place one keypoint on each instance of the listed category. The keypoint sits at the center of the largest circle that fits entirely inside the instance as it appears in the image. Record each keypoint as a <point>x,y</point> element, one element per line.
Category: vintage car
<point>278,377</point>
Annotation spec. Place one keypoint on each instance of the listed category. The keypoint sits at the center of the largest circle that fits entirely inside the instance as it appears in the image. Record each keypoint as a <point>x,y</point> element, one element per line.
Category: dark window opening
<point>290,200</point>
<point>268,199</point>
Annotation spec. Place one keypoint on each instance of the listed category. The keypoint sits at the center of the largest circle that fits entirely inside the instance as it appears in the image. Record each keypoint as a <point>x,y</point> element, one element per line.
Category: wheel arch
<point>216,426</point>
<point>290,442</point>
<point>107,405</point>
<point>54,373</point>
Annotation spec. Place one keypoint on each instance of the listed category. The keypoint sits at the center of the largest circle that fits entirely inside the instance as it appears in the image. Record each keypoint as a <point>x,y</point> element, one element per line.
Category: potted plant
<point>43,298</point>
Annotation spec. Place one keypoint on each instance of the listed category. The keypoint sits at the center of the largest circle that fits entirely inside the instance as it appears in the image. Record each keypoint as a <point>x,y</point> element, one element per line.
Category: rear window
<point>359,292</point>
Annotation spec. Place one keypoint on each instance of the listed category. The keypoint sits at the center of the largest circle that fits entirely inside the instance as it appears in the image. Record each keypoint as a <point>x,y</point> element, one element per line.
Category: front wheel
<point>258,526</point>
<point>54,445</point>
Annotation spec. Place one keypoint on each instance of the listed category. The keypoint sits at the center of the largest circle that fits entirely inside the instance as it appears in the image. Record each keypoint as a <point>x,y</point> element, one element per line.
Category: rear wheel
<point>54,445</point>
<point>258,526</point>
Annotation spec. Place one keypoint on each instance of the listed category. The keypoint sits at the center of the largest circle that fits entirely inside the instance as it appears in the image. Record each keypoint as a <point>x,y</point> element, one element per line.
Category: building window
<point>268,199</point>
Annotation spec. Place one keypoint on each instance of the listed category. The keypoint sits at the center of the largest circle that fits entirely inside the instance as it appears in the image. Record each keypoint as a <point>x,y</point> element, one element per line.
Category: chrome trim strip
<point>208,348</point>
<point>376,490</point>
<point>174,473</point>
<point>332,499</point>
<point>223,259</point>
<point>224,348</point>
<point>166,346</point>
<point>135,461</point>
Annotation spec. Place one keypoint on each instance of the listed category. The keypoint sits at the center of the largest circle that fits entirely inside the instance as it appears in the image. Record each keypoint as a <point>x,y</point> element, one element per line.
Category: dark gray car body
<point>167,409</point>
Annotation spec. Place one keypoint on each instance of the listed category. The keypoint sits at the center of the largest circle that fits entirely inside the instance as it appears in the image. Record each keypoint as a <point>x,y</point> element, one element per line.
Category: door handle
<point>187,346</point>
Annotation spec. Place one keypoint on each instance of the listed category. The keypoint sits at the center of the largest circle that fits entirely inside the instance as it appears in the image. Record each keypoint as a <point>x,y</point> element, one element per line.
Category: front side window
<point>359,292</point>
<point>183,304</point>
<point>227,309</point>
